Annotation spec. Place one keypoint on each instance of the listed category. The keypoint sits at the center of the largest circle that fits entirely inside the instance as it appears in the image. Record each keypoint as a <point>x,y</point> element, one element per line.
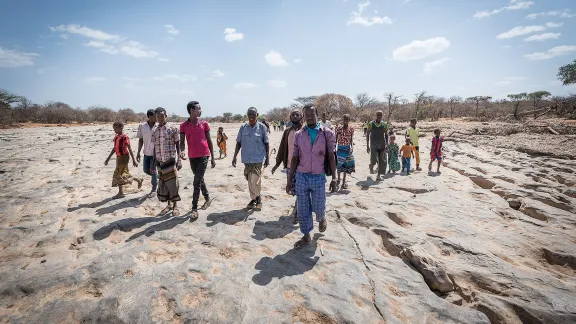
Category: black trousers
<point>199,166</point>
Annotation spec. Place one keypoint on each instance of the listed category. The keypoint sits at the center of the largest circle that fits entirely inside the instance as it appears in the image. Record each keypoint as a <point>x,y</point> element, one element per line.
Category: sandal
<point>165,211</point>
<point>175,212</point>
<point>118,196</point>
<point>344,185</point>
<point>140,181</point>
<point>206,204</point>
<point>194,215</point>
<point>251,204</point>
<point>302,242</point>
<point>323,225</point>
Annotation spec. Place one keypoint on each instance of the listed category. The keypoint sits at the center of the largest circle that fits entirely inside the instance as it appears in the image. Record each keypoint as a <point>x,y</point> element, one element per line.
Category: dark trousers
<point>199,166</point>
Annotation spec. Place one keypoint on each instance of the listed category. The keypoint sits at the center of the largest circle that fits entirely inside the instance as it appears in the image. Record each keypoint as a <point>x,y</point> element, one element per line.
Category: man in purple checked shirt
<point>312,145</point>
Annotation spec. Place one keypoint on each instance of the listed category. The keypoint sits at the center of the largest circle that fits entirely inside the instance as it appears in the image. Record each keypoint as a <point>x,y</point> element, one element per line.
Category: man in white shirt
<point>325,123</point>
<point>145,140</point>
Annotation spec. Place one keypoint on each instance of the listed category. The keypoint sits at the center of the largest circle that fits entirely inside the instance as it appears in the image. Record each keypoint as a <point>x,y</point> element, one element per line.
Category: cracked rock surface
<point>490,240</point>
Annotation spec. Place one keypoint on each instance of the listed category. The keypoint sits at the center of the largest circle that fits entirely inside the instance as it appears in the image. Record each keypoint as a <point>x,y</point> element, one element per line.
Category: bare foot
<point>175,212</point>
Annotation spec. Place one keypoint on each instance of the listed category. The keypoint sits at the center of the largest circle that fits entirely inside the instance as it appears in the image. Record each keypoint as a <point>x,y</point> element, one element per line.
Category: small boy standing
<point>436,150</point>
<point>406,153</point>
<point>122,148</point>
<point>414,134</point>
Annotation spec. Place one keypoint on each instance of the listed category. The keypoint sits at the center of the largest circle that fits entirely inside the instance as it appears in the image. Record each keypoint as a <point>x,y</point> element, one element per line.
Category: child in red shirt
<point>122,148</point>
<point>436,150</point>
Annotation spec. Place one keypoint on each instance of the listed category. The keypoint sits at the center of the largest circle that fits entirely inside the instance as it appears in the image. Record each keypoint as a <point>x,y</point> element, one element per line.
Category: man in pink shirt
<point>312,146</point>
<point>196,132</point>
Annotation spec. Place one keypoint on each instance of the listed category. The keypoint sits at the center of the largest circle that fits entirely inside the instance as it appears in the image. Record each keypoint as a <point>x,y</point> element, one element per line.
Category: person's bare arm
<point>293,165</point>
<point>267,148</point>
<point>182,147</point>
<point>209,140</point>
<point>368,140</point>
<point>140,145</point>
<point>132,155</point>
<point>178,156</point>
<point>109,156</point>
<point>238,146</point>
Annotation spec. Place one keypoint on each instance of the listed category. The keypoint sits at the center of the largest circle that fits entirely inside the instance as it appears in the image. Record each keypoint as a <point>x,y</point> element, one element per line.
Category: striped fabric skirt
<point>346,162</point>
<point>168,185</point>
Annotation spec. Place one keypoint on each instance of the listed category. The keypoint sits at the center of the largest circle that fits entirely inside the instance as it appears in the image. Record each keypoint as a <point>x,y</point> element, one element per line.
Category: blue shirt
<point>253,140</point>
<point>313,132</point>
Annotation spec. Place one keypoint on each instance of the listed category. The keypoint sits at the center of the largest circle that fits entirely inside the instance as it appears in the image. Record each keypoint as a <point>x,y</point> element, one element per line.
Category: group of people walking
<point>310,151</point>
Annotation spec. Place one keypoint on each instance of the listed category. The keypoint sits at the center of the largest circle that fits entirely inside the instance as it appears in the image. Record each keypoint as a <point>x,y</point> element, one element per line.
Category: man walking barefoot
<point>377,144</point>
<point>253,139</point>
<point>196,132</point>
<point>312,146</point>
<point>144,134</point>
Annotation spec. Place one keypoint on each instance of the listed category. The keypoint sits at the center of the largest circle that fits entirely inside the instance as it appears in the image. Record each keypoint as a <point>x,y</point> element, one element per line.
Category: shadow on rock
<point>365,185</point>
<point>273,229</point>
<point>91,205</point>
<point>134,202</point>
<point>125,225</point>
<point>164,226</point>
<point>292,263</point>
<point>229,218</point>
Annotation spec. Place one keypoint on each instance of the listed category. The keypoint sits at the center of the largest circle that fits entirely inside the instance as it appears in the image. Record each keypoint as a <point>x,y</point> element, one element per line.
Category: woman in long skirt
<point>344,140</point>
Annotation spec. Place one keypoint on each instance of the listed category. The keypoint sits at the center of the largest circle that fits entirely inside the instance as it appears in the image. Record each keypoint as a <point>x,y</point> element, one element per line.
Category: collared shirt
<point>253,140</point>
<point>165,140</point>
<point>413,133</point>
<point>313,132</point>
<point>195,133</point>
<point>311,156</point>
<point>145,133</point>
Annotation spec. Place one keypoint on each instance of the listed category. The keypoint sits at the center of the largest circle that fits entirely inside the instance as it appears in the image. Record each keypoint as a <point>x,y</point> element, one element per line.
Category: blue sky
<point>230,55</point>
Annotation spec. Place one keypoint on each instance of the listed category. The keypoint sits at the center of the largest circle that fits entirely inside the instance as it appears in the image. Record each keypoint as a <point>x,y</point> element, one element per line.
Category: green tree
<point>227,116</point>
<point>517,100</point>
<point>567,73</point>
<point>478,100</point>
<point>537,96</point>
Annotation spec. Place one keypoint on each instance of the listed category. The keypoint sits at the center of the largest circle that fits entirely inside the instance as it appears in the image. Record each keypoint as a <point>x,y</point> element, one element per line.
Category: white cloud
<point>171,30</point>
<point>275,59</point>
<point>508,80</point>
<point>356,17</point>
<point>64,36</point>
<point>244,85</point>
<point>181,92</point>
<point>277,84</point>
<point>137,50</point>
<point>429,67</point>
<point>108,43</point>
<point>162,59</point>
<point>16,58</point>
<point>218,73</point>
<point>513,5</point>
<point>177,77</point>
<point>551,53</point>
<point>542,37</point>
<point>86,32</point>
<point>95,80</point>
<point>556,13</point>
<point>231,35</point>
<point>420,49</point>
<point>103,47</point>
<point>524,30</point>
<point>297,60</point>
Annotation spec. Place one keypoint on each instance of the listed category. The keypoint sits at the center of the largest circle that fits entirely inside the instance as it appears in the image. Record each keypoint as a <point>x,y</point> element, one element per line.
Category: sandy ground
<point>492,239</point>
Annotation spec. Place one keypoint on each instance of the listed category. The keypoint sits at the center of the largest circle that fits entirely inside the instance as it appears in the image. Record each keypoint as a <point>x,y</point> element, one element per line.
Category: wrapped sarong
<point>346,162</point>
<point>168,185</point>
<point>121,173</point>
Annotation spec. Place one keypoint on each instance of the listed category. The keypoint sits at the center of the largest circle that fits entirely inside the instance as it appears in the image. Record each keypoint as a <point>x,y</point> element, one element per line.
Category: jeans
<point>147,166</point>
<point>406,164</point>
<point>199,166</point>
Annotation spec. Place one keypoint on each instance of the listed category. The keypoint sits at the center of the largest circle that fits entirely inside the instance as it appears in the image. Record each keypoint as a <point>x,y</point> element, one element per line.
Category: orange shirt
<point>406,151</point>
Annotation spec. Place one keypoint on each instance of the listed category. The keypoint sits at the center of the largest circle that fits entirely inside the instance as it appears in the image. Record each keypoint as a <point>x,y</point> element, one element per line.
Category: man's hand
<point>138,157</point>
<point>178,165</point>
<point>213,163</point>
<point>266,163</point>
<point>106,162</point>
<point>135,164</point>
<point>333,185</point>
<point>274,169</point>
<point>368,149</point>
<point>289,187</point>
<point>183,155</point>
<point>234,162</point>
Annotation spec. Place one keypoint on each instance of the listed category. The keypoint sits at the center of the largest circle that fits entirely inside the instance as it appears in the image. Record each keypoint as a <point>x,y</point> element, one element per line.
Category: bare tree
<point>420,97</point>
<point>364,100</point>
<point>517,100</point>
<point>478,100</point>
<point>334,104</point>
<point>392,104</point>
<point>453,102</point>
<point>306,100</point>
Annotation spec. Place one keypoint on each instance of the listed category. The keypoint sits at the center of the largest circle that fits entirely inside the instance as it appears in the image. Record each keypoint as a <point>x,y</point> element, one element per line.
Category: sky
<point>233,54</point>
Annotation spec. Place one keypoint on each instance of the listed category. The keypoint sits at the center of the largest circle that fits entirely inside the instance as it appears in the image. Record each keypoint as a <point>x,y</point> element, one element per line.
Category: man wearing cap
<point>145,141</point>
<point>253,139</point>
<point>196,132</point>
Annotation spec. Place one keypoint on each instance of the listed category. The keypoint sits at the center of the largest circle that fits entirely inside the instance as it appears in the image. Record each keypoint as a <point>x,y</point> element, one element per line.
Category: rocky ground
<point>490,240</point>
